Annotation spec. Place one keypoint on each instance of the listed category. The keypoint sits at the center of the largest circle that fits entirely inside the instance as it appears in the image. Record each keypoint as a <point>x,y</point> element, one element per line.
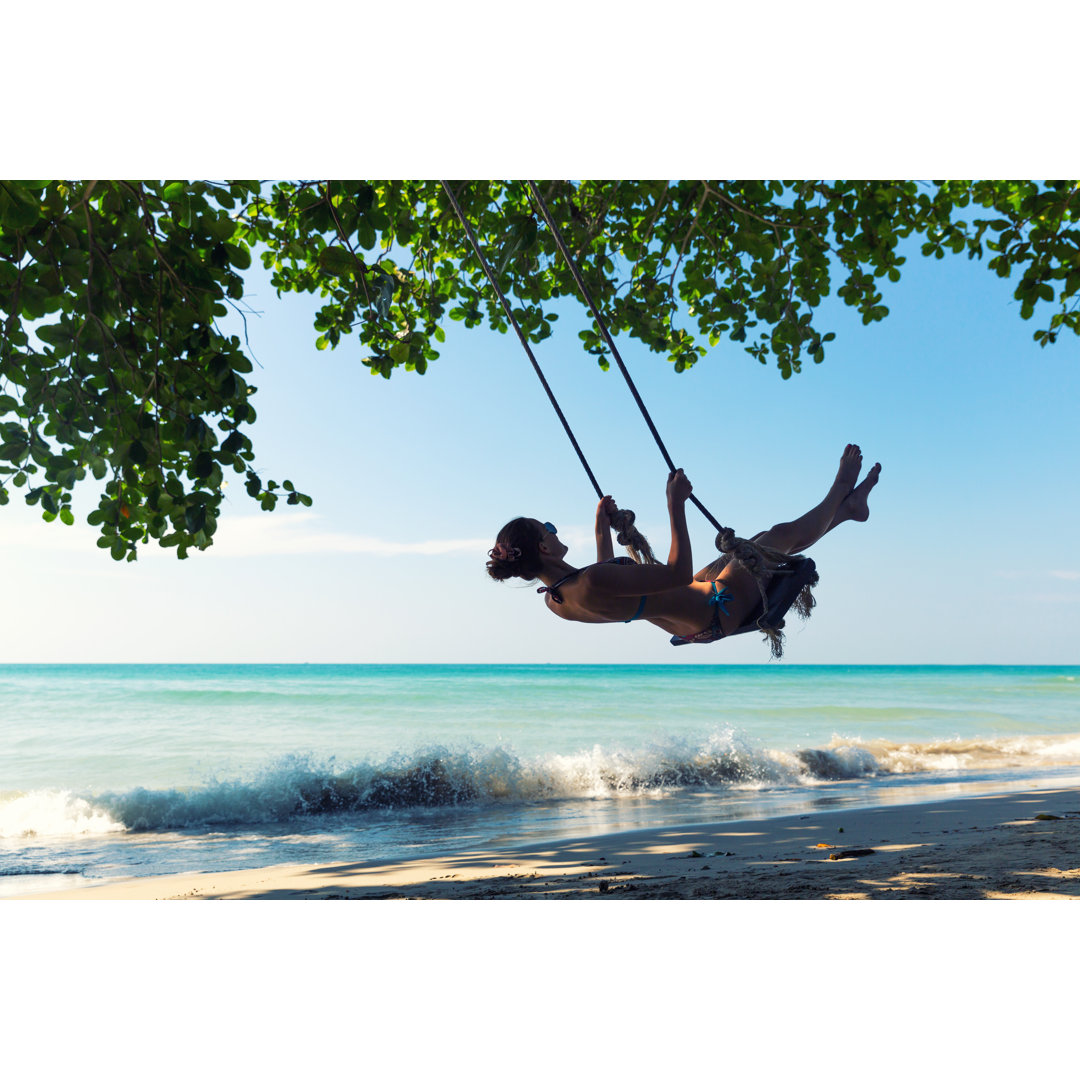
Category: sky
<point>969,555</point>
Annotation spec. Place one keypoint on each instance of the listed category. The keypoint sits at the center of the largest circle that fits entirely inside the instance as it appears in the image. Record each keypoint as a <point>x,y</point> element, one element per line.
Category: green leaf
<point>198,431</point>
<point>233,444</point>
<point>337,260</point>
<point>137,454</point>
<point>399,352</point>
<point>203,465</point>
<point>509,250</point>
<point>239,256</point>
<point>195,518</point>
<point>18,208</point>
<point>365,198</point>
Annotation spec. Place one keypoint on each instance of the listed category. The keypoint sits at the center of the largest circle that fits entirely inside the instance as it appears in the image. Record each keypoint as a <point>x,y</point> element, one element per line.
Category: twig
<point>239,311</point>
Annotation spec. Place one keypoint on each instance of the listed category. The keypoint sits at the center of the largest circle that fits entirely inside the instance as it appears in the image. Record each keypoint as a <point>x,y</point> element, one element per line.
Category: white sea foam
<point>297,786</point>
<point>53,814</point>
<point>960,754</point>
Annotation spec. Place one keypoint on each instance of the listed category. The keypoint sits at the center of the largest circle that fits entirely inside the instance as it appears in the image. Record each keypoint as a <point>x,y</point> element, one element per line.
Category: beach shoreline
<point>993,846</point>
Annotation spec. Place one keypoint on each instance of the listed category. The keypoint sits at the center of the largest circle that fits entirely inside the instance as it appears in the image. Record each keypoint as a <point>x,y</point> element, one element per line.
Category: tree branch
<point>686,238</point>
<point>348,247</point>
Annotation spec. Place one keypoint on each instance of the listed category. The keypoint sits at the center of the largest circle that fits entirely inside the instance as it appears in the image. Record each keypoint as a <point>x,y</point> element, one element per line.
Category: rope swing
<point>766,565</point>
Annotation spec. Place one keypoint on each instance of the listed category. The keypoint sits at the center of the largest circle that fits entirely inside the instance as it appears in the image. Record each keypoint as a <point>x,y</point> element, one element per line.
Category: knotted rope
<point>762,562</point>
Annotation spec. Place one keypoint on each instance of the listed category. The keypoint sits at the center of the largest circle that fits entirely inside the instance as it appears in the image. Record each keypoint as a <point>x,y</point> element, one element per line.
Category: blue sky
<point>969,555</point>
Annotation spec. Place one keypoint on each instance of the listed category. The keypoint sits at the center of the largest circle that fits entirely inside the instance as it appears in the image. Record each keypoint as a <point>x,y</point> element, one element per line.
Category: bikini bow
<point>721,598</point>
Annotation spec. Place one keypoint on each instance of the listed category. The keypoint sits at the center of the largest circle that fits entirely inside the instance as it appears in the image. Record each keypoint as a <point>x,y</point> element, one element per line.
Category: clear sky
<point>969,555</point>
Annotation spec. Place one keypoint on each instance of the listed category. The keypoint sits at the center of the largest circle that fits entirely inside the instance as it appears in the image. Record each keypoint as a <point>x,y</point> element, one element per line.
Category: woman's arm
<point>680,558</point>
<point>604,550</point>
<point>645,579</point>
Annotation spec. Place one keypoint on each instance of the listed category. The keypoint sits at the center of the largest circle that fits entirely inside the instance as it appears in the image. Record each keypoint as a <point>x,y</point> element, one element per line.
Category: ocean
<point>113,771</point>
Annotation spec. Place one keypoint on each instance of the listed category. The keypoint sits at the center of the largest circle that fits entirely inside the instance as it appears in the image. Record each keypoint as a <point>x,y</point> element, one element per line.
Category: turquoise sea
<point>132,770</point>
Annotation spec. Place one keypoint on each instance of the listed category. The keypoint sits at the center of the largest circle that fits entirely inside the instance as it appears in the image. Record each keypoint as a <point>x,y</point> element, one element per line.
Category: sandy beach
<point>1003,846</point>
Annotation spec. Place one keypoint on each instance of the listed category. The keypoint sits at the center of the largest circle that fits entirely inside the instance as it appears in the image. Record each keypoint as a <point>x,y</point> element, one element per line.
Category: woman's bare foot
<point>855,507</point>
<point>850,467</point>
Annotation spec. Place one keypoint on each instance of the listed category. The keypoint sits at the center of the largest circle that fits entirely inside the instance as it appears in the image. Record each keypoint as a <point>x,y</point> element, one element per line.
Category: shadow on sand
<point>991,847</point>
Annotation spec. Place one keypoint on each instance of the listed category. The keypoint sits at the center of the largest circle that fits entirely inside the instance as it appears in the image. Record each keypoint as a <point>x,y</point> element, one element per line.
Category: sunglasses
<point>550,528</point>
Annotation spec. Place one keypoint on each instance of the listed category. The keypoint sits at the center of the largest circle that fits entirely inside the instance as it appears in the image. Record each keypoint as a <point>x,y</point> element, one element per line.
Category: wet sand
<point>1003,846</point>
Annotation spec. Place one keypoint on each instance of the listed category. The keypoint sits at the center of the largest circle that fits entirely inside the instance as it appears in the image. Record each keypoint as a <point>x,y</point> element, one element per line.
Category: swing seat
<point>782,592</point>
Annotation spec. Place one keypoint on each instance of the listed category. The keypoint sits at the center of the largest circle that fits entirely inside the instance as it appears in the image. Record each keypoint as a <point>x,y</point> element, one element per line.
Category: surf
<point>299,786</point>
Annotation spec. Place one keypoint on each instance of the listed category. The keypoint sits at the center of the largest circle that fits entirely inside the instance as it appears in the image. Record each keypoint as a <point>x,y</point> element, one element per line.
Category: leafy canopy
<point>113,363</point>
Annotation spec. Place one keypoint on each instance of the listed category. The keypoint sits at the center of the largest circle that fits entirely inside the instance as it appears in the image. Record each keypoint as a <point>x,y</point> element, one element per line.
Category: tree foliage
<point>113,362</point>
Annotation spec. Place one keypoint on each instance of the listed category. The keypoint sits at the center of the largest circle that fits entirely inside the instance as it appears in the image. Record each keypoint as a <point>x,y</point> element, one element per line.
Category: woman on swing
<point>694,608</point>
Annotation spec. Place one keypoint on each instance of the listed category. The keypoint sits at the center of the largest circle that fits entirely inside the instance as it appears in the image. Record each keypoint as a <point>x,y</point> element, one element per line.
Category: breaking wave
<point>298,787</point>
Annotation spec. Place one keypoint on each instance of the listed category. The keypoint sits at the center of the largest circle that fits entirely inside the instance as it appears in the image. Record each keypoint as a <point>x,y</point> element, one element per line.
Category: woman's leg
<point>855,507</point>
<point>844,502</point>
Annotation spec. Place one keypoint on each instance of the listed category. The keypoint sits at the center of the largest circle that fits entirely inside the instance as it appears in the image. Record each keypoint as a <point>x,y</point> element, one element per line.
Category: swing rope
<point>521,337</point>
<point>587,296</point>
<point>623,519</point>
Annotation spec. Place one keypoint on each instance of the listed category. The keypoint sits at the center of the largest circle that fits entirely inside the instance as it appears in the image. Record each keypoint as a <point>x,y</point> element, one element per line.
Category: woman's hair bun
<point>516,552</point>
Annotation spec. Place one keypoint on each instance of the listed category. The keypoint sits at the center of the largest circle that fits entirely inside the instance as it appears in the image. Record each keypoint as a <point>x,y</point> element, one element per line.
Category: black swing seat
<point>782,592</point>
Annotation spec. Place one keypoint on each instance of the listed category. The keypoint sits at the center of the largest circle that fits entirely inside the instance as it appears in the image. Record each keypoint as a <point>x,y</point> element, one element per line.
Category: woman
<point>695,608</point>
